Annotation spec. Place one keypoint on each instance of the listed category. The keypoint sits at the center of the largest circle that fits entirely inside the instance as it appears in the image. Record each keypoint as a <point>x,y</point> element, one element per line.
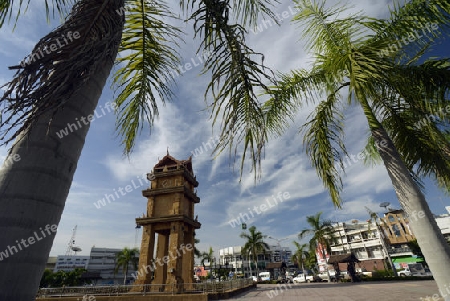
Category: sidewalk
<point>364,291</point>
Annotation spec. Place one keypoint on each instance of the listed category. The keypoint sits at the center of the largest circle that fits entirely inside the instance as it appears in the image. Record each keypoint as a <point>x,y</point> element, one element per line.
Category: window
<point>396,230</point>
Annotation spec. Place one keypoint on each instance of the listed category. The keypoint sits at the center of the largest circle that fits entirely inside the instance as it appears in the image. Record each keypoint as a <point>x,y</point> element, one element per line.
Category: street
<point>364,291</point>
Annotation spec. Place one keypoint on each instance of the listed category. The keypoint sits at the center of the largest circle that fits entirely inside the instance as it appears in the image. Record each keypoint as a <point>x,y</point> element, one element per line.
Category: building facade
<point>360,238</point>
<point>377,243</point>
<point>443,222</point>
<point>102,262</point>
<point>69,263</point>
<point>236,261</point>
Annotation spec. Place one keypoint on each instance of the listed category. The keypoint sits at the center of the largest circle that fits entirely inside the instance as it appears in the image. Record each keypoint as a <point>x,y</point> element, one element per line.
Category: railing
<point>145,289</point>
<point>399,250</point>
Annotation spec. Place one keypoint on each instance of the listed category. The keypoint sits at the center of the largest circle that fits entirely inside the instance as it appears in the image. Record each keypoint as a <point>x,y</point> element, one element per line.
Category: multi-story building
<point>237,262</point>
<point>102,262</point>
<point>51,263</point>
<point>443,222</point>
<point>372,243</point>
<point>398,234</point>
<point>100,265</point>
<point>69,263</point>
<point>360,238</point>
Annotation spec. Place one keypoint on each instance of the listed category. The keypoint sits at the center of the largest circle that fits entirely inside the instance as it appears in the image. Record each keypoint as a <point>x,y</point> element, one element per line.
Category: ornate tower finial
<point>167,151</point>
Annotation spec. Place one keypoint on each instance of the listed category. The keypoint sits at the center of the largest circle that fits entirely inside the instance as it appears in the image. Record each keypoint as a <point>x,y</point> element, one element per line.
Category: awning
<point>407,259</point>
<point>350,257</point>
<point>275,265</point>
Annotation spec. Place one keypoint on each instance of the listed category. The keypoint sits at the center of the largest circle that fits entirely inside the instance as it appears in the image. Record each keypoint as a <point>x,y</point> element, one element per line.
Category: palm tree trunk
<point>303,270</point>
<point>255,259</point>
<point>422,222</point>
<point>125,277</point>
<point>33,190</point>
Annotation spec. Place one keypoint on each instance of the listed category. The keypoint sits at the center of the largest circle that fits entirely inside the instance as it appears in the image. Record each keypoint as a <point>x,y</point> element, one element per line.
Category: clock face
<point>151,176</point>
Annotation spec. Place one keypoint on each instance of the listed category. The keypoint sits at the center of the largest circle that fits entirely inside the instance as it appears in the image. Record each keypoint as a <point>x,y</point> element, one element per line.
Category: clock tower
<point>169,220</point>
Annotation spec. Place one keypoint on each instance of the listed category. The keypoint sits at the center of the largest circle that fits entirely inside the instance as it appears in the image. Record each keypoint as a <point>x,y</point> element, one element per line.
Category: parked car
<point>414,269</point>
<point>255,279</point>
<point>324,275</point>
<point>264,276</point>
<point>301,278</point>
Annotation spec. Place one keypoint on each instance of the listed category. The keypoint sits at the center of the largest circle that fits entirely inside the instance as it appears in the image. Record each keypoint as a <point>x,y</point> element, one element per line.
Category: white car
<point>418,273</point>
<point>301,278</point>
<point>324,275</point>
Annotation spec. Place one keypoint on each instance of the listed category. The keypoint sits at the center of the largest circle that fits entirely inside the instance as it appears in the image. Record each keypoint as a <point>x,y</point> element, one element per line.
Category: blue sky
<point>183,126</point>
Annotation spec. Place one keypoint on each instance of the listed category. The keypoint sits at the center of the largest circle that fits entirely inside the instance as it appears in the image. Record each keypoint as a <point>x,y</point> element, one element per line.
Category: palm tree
<point>61,88</point>
<point>321,233</point>
<point>254,245</point>
<point>300,255</point>
<point>311,260</point>
<point>381,64</point>
<point>124,258</point>
<point>197,252</point>
<point>209,257</point>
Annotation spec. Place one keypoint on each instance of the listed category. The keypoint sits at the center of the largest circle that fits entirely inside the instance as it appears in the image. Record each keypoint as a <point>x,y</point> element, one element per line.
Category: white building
<point>102,261</point>
<point>443,222</point>
<point>69,263</point>
<point>240,264</point>
<point>360,238</point>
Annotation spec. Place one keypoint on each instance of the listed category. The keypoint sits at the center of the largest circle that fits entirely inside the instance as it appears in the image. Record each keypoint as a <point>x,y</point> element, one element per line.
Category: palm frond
<point>292,91</point>
<point>57,6</point>
<point>422,21</point>
<point>244,12</point>
<point>150,63</point>
<point>324,145</point>
<point>45,80</point>
<point>247,12</point>
<point>336,35</point>
<point>320,230</point>
<point>236,76</point>
<point>415,107</point>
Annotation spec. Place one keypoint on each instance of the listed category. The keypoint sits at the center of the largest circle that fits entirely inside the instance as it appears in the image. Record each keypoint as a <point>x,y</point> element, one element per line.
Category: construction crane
<point>71,248</point>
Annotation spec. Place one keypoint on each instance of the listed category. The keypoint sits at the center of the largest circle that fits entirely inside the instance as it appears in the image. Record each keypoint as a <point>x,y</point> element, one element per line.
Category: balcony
<point>398,251</point>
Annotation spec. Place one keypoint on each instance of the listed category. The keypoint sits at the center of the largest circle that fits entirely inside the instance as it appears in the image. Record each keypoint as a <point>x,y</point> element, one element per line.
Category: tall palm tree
<point>62,87</point>
<point>254,245</point>
<point>300,255</point>
<point>321,233</point>
<point>123,260</point>
<point>210,258</point>
<point>382,66</point>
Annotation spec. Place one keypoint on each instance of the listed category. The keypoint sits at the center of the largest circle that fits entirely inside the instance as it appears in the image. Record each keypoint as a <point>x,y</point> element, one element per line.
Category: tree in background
<point>124,258</point>
<point>254,245</point>
<point>321,233</point>
<point>208,257</point>
<point>197,252</point>
<point>62,278</point>
<point>300,255</point>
